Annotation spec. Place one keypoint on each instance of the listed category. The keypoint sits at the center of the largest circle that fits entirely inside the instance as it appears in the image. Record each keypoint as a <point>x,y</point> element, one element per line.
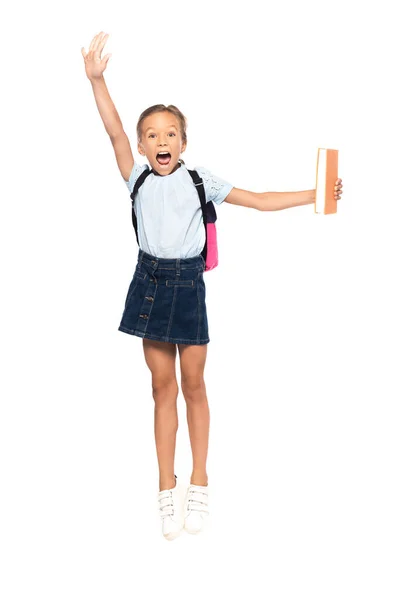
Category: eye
<point>171,133</point>
<point>150,134</point>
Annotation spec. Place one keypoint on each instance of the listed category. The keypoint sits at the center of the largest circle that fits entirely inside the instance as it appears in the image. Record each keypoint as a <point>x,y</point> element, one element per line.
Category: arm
<point>270,200</point>
<point>275,200</point>
<point>94,67</point>
<point>106,107</point>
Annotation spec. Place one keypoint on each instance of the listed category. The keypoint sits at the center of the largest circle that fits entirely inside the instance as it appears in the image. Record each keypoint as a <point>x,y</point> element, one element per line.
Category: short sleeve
<point>136,171</point>
<point>216,188</point>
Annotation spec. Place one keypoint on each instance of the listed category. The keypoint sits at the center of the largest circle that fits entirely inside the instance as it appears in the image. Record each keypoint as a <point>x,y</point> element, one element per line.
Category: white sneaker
<point>196,508</point>
<point>170,508</point>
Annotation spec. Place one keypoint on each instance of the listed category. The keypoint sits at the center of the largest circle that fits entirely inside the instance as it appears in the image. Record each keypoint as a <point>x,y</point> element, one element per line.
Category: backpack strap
<point>135,190</point>
<point>198,182</point>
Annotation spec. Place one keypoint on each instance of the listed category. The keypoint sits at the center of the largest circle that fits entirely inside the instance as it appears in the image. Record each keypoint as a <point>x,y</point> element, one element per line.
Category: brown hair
<point>161,108</point>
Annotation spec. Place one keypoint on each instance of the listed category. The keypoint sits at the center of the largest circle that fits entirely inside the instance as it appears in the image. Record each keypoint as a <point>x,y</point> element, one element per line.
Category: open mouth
<point>163,158</point>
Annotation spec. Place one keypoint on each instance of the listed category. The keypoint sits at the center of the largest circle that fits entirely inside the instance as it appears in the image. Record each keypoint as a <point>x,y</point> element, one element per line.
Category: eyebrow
<point>169,126</point>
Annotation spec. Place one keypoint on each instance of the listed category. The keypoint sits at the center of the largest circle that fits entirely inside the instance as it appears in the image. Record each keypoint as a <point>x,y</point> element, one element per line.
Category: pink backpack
<point>210,250</point>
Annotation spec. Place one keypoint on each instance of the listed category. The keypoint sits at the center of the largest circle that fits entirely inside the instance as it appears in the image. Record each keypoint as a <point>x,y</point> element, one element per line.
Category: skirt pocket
<point>137,276</point>
<point>130,291</point>
<point>179,283</point>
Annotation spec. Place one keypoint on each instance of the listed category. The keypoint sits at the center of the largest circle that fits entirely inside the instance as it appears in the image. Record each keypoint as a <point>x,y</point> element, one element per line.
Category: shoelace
<point>197,500</point>
<point>166,503</point>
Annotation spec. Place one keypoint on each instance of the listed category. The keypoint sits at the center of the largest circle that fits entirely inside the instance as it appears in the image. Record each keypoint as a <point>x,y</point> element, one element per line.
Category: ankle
<point>199,478</point>
<point>167,483</point>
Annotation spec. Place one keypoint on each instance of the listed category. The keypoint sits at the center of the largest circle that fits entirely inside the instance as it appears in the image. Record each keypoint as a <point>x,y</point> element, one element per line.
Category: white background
<point>302,371</point>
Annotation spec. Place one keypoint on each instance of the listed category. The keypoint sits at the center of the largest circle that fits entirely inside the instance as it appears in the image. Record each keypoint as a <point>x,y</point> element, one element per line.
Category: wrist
<point>96,80</point>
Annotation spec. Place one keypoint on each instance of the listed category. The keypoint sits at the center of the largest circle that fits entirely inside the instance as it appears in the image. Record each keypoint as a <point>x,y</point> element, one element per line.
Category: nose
<point>162,141</point>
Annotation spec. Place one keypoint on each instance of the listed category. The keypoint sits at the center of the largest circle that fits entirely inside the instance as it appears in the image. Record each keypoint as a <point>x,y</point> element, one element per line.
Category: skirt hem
<point>163,338</point>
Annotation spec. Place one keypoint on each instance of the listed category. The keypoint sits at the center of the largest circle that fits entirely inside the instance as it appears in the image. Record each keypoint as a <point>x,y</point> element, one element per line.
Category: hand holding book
<point>329,186</point>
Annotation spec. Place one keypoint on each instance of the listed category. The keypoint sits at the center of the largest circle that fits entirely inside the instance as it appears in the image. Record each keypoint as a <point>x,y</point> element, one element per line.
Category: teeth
<point>163,153</point>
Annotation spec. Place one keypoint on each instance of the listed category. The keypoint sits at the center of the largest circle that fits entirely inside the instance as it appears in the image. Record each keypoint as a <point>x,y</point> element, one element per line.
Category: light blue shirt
<point>168,210</point>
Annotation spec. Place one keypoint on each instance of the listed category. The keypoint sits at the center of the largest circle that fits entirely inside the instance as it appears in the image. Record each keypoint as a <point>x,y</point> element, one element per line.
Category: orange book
<point>327,173</point>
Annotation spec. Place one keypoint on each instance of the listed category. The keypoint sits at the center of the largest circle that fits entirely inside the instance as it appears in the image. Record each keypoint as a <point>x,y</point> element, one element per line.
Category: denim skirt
<point>166,300</point>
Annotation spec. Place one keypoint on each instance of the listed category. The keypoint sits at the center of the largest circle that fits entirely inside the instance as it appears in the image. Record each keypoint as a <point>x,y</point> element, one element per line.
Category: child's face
<point>161,133</point>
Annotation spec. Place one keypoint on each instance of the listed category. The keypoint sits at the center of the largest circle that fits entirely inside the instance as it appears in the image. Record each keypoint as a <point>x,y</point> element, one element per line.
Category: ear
<point>183,147</point>
<point>141,149</point>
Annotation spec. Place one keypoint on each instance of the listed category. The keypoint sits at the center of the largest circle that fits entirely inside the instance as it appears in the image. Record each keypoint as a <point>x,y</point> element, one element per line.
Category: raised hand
<point>94,64</point>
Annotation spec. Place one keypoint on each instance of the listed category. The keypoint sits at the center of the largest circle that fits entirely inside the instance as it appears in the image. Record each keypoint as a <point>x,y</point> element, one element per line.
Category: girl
<point>165,304</point>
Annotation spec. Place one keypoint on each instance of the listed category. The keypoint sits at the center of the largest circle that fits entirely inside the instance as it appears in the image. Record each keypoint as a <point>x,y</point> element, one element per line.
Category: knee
<point>165,390</point>
<point>193,388</point>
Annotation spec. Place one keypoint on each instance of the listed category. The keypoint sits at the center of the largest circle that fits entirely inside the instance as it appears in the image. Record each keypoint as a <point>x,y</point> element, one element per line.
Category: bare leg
<point>160,358</point>
<point>192,361</point>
